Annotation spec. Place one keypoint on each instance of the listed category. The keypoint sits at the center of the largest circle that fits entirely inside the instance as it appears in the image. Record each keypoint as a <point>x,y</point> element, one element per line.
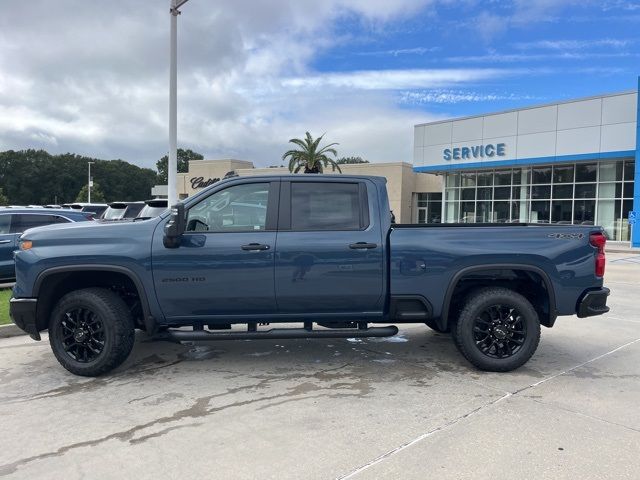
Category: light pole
<point>89,182</point>
<point>172,166</point>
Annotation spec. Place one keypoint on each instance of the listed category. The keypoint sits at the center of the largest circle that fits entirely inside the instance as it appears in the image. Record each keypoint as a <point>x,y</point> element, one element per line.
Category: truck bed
<point>427,259</point>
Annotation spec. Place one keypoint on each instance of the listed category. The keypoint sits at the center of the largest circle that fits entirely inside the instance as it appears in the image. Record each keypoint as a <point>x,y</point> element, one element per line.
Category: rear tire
<point>91,331</point>
<point>498,330</point>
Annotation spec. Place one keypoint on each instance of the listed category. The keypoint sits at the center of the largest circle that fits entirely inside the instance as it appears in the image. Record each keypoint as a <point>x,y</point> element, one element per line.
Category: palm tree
<point>310,157</point>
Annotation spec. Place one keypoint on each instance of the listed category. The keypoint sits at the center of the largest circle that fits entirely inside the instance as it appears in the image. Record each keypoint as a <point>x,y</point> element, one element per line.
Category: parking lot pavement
<point>403,407</point>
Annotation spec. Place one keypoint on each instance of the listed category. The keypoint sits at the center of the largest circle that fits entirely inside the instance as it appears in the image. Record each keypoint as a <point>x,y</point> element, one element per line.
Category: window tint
<point>133,210</point>
<point>149,212</point>
<point>22,222</point>
<point>113,213</point>
<point>325,206</point>
<point>5,224</point>
<point>239,208</point>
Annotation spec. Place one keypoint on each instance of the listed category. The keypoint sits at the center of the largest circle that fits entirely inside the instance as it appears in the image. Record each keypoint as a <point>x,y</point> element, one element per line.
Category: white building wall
<point>590,126</point>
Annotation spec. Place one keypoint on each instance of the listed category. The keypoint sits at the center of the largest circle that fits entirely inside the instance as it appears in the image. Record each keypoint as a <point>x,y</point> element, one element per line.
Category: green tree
<point>96,194</point>
<point>351,160</point>
<point>310,156</point>
<point>37,177</point>
<point>3,199</point>
<point>184,157</point>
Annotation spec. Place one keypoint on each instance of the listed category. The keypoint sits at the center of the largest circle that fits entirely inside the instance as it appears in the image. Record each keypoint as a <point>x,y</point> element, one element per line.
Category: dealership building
<point>571,162</point>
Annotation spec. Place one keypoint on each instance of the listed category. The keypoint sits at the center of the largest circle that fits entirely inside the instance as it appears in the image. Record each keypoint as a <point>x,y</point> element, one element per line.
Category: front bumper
<point>593,302</point>
<point>23,314</point>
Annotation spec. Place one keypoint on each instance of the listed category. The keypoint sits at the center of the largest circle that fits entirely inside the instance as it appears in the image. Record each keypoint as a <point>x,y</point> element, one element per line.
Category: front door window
<point>241,208</point>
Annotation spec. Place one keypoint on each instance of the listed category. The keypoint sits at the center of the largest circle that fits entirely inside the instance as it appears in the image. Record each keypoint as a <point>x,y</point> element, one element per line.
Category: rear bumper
<point>23,314</point>
<point>593,302</point>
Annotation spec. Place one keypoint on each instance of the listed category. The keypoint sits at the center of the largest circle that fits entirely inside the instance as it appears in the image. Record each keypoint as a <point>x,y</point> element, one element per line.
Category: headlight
<point>26,244</point>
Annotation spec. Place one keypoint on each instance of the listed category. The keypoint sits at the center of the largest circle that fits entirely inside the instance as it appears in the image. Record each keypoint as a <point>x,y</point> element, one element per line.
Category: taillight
<point>598,240</point>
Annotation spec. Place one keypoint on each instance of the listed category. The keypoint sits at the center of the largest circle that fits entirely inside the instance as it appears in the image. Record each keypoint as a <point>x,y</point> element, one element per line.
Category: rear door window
<point>22,222</point>
<point>326,206</point>
<point>5,224</point>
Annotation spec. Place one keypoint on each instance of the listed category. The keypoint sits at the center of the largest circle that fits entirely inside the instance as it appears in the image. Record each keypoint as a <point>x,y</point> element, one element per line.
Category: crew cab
<point>318,250</point>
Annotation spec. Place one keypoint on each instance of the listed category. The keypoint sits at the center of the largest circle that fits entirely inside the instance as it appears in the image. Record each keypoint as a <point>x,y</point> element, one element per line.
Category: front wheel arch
<point>53,283</point>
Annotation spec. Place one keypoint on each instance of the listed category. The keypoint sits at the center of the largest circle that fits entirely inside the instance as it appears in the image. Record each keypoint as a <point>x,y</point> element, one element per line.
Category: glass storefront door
<point>429,207</point>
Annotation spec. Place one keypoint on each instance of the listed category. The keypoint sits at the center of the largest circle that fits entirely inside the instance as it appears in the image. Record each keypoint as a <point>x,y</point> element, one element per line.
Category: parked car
<point>153,208</point>
<point>14,221</point>
<point>122,210</point>
<point>96,208</point>
<point>214,261</point>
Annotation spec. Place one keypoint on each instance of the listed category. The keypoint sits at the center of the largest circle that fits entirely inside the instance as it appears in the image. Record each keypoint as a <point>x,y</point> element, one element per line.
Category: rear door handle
<point>363,246</point>
<point>5,241</point>
<point>255,246</point>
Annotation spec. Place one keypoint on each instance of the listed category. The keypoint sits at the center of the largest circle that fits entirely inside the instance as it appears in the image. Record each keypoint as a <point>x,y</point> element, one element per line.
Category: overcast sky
<point>91,76</point>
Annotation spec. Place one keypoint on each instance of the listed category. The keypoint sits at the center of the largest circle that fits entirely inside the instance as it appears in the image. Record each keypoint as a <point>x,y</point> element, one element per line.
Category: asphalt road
<point>404,407</point>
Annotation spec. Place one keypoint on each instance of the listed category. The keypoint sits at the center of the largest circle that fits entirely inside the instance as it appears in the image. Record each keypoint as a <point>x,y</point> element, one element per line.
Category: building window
<point>429,207</point>
<point>584,193</point>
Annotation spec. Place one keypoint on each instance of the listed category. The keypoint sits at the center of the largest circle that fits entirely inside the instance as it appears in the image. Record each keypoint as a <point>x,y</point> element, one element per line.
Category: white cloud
<point>448,96</point>
<point>565,45</point>
<point>91,78</point>
<point>400,51</point>
<point>395,79</point>
<point>535,57</point>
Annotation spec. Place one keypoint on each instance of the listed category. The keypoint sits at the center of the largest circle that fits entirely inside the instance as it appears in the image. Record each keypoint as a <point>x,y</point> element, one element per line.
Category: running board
<point>280,334</point>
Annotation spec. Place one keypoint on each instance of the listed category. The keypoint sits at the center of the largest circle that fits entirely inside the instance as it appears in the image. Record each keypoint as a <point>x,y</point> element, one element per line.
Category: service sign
<point>477,151</point>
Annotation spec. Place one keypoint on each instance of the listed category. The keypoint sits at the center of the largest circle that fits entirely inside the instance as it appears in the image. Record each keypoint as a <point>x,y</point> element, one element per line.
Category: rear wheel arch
<point>541,295</point>
<point>53,283</point>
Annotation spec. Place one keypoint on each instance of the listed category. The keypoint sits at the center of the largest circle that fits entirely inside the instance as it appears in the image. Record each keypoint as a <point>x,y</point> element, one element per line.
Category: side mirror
<point>175,227</point>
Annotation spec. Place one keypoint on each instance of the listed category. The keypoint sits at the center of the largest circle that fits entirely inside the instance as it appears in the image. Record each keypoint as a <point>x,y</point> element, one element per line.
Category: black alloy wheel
<point>91,331</point>
<point>497,330</point>
<point>82,334</point>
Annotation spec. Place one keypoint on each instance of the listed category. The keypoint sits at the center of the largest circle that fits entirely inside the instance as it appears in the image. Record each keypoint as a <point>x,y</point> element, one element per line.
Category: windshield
<point>133,210</point>
<point>149,212</point>
<point>112,213</point>
<point>95,209</point>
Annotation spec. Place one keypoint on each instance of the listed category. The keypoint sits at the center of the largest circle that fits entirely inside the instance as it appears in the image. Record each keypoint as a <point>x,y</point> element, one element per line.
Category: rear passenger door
<point>329,250</point>
<point>7,247</point>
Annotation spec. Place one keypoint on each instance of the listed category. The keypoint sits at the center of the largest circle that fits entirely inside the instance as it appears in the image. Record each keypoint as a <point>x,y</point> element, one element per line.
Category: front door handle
<point>363,246</point>
<point>255,247</point>
<point>5,241</point>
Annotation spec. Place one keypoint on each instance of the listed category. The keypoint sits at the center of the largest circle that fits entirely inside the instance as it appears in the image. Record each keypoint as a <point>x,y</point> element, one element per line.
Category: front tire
<point>91,331</point>
<point>498,329</point>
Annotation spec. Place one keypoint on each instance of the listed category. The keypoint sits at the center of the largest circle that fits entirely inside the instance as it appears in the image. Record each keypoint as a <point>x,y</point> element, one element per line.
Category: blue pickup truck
<point>317,250</point>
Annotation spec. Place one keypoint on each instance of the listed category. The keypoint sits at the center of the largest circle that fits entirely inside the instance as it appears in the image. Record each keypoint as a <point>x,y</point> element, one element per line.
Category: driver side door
<point>224,266</point>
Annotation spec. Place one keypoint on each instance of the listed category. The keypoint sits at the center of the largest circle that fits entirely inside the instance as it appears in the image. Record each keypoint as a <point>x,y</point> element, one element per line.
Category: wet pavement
<point>403,407</point>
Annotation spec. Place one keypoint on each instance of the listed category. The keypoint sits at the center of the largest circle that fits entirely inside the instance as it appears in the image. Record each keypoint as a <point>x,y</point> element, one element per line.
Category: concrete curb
<point>11,330</point>
<point>635,251</point>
